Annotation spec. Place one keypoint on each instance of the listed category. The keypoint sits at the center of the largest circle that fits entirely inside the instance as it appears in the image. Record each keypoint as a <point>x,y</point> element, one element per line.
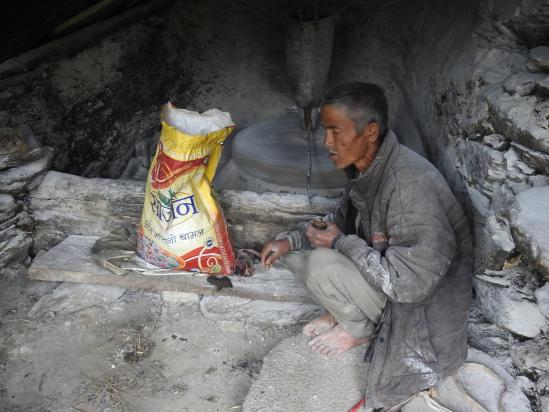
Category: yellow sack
<point>182,225</point>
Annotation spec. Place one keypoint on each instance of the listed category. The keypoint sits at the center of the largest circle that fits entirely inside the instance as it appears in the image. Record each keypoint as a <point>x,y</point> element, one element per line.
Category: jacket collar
<point>369,181</point>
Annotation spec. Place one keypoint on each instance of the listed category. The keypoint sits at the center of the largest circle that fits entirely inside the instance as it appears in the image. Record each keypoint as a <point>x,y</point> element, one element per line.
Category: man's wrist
<point>286,236</point>
<point>336,239</point>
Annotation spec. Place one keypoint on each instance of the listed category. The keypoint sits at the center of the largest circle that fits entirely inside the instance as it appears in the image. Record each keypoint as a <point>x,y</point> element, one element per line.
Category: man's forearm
<point>297,238</point>
<point>367,260</point>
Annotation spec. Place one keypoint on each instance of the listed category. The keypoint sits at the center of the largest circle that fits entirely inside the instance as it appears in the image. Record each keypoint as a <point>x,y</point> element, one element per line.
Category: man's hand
<point>323,238</point>
<point>272,250</point>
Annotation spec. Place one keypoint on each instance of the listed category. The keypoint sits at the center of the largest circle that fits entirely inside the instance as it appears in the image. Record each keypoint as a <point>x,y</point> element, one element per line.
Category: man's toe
<point>316,339</point>
<point>309,330</point>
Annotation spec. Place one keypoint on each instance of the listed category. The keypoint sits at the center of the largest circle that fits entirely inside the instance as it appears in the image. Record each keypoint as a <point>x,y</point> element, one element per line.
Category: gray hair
<point>363,103</point>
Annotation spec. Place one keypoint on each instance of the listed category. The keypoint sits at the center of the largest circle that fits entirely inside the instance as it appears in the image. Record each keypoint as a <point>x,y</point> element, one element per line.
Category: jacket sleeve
<point>421,246</point>
<point>297,238</point>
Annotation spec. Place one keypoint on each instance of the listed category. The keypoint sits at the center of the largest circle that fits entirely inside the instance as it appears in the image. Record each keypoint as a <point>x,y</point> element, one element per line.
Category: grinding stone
<point>276,151</point>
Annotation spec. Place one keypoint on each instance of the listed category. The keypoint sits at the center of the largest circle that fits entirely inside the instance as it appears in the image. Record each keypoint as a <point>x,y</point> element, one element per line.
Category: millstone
<point>276,152</point>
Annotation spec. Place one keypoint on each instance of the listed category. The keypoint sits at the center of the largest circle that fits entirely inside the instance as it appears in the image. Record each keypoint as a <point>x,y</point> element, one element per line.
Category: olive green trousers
<point>336,284</point>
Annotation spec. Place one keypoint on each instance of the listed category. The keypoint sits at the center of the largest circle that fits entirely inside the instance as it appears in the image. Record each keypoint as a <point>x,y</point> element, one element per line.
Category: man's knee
<point>322,267</point>
<point>322,255</point>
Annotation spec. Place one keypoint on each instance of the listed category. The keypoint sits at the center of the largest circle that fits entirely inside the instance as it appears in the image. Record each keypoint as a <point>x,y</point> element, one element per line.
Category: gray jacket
<point>415,246</point>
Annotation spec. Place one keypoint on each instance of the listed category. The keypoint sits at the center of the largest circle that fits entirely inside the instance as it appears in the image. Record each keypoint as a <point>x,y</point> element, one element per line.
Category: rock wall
<point>483,112</point>
<point>479,98</point>
<point>22,162</point>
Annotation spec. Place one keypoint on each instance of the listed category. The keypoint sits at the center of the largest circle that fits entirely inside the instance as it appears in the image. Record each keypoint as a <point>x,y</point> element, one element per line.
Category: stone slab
<point>529,220</point>
<point>531,357</point>
<point>8,207</point>
<point>542,297</point>
<point>15,150</point>
<point>542,87</point>
<point>481,385</point>
<point>533,158</point>
<point>20,178</point>
<point>254,218</point>
<point>483,167</point>
<point>258,312</point>
<point>488,338</point>
<point>539,57</point>
<point>503,305</point>
<point>513,116</point>
<point>15,245</point>
<point>72,261</point>
<point>70,298</point>
<point>296,379</point>
<point>423,403</point>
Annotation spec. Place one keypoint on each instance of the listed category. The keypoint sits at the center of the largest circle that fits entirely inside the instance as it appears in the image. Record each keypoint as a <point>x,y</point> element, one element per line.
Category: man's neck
<point>363,164</point>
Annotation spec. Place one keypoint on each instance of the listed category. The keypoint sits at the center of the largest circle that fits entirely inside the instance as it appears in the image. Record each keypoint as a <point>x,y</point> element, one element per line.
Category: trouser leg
<point>297,263</point>
<point>336,284</point>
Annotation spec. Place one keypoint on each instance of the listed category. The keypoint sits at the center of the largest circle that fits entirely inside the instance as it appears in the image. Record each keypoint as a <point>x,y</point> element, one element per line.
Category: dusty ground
<point>133,352</point>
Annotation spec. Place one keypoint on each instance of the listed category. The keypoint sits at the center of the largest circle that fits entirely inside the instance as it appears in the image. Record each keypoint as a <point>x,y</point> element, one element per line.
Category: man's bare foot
<point>335,341</point>
<point>320,325</point>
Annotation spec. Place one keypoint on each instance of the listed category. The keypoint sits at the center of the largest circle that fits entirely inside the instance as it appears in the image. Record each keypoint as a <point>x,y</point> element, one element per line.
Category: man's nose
<point>328,138</point>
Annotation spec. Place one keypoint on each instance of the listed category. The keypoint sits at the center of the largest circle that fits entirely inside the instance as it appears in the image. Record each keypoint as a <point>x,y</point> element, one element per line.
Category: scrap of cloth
<point>116,252</point>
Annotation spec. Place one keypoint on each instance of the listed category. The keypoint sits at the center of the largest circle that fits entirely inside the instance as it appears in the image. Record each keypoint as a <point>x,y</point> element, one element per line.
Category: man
<point>393,267</point>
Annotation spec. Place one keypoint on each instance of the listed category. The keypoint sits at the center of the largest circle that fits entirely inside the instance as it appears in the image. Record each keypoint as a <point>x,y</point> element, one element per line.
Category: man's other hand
<point>324,237</point>
<point>272,250</point>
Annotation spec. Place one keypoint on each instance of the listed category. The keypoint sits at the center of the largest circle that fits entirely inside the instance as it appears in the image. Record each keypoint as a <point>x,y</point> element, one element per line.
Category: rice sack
<point>182,225</point>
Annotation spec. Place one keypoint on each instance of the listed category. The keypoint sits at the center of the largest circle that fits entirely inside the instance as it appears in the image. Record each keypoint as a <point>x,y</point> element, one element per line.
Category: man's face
<point>341,138</point>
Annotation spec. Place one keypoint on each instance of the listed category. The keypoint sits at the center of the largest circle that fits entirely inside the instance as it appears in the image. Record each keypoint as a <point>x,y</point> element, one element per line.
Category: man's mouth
<point>333,153</point>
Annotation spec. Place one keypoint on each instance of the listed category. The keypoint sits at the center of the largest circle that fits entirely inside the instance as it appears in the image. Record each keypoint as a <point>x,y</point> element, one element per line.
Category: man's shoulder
<point>413,176</point>
<point>410,167</point>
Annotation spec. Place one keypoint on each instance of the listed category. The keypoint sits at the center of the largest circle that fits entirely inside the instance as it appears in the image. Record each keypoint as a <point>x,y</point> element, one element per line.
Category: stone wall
<point>22,162</point>
<point>479,98</point>
<point>483,114</point>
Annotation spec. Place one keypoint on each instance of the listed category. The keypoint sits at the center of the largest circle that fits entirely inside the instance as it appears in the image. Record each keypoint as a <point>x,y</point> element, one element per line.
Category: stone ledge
<point>509,307</point>
<point>513,117</point>
<point>72,261</point>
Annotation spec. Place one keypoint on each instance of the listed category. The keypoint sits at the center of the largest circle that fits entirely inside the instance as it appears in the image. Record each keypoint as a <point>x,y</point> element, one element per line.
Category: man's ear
<point>371,132</point>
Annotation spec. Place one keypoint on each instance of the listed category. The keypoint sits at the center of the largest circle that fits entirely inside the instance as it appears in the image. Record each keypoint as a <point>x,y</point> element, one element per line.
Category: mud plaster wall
<point>92,107</point>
